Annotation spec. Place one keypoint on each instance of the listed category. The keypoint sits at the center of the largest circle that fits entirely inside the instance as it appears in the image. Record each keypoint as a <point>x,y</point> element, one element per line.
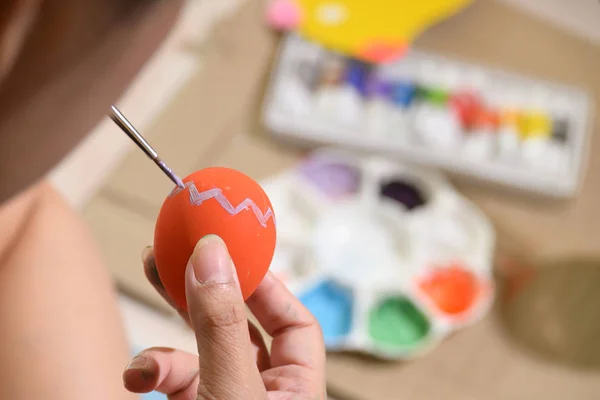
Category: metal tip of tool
<point>138,139</point>
<point>177,180</point>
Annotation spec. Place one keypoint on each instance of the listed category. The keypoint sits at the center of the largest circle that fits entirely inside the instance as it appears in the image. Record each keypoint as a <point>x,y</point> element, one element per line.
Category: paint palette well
<point>389,258</point>
<point>475,121</point>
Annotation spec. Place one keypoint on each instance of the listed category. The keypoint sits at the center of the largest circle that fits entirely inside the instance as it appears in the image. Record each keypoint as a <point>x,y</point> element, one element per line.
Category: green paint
<point>437,97</point>
<point>421,92</point>
<point>397,323</point>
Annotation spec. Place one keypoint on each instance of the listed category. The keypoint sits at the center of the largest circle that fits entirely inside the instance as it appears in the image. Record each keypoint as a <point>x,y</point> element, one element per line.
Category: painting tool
<point>134,135</point>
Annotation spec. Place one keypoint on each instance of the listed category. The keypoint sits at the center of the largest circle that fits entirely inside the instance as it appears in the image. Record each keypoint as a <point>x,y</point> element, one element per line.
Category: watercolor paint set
<point>388,257</point>
<point>462,118</point>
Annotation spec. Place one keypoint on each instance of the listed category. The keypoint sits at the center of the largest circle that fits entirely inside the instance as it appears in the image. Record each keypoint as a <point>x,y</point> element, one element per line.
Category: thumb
<point>218,316</point>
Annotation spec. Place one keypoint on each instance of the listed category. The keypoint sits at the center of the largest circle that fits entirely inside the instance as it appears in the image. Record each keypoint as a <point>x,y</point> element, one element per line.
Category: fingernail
<point>211,261</point>
<point>139,362</point>
<point>153,276</point>
<point>146,253</point>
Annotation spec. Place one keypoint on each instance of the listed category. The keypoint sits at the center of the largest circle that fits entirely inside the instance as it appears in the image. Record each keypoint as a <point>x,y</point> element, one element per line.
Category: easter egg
<point>223,202</point>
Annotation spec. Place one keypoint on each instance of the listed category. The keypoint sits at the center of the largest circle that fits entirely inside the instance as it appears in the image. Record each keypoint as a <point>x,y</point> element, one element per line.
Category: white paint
<point>508,143</point>
<point>349,106</point>
<point>379,112</point>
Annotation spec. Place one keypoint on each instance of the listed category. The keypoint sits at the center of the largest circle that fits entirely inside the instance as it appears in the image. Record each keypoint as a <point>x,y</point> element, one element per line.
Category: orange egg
<point>218,201</point>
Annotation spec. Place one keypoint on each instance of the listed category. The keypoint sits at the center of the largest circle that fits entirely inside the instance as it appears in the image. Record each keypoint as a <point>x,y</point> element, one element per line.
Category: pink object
<point>284,14</point>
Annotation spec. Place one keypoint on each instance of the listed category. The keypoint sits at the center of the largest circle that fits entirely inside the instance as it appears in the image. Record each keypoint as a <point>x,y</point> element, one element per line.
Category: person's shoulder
<point>15,214</point>
<point>40,208</point>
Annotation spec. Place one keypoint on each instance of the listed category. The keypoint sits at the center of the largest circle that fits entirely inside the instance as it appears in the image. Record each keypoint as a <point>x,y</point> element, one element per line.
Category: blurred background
<point>452,143</point>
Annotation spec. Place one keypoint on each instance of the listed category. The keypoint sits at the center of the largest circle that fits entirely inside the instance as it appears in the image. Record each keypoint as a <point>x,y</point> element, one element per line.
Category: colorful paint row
<point>473,113</point>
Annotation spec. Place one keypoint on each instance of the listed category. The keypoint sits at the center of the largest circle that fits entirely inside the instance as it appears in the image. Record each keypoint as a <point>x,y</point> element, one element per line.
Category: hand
<point>233,361</point>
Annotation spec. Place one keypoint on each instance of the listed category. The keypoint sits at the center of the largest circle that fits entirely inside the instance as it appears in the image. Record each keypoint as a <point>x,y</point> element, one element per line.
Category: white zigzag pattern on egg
<point>197,198</point>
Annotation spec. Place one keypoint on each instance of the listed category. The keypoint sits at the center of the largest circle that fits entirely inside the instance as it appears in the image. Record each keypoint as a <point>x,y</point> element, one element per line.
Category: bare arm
<point>60,328</point>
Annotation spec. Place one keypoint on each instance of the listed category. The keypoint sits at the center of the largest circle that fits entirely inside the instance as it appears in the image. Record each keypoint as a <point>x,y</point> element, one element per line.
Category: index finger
<point>297,336</point>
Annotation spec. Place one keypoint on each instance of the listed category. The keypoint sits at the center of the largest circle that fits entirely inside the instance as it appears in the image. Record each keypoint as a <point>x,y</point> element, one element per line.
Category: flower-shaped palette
<point>388,257</point>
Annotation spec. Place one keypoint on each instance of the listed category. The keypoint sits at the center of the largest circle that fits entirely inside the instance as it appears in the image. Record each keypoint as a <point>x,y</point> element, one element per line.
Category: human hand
<point>233,361</point>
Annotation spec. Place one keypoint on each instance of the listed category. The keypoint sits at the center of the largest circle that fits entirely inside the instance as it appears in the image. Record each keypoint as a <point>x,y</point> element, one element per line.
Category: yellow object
<point>539,125</point>
<point>528,125</point>
<point>372,30</point>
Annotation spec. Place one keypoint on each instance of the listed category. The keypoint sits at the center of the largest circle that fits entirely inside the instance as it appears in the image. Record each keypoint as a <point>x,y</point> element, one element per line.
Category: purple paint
<point>378,87</point>
<point>334,179</point>
<point>403,192</point>
<point>357,76</point>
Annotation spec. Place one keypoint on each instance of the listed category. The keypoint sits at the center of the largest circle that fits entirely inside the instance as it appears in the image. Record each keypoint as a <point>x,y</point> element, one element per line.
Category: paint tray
<point>389,258</point>
<point>482,123</point>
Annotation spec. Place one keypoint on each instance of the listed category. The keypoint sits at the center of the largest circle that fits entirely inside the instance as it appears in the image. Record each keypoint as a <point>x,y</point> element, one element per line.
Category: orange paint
<point>510,118</point>
<point>487,119</point>
<point>381,51</point>
<point>218,201</point>
<point>453,289</point>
